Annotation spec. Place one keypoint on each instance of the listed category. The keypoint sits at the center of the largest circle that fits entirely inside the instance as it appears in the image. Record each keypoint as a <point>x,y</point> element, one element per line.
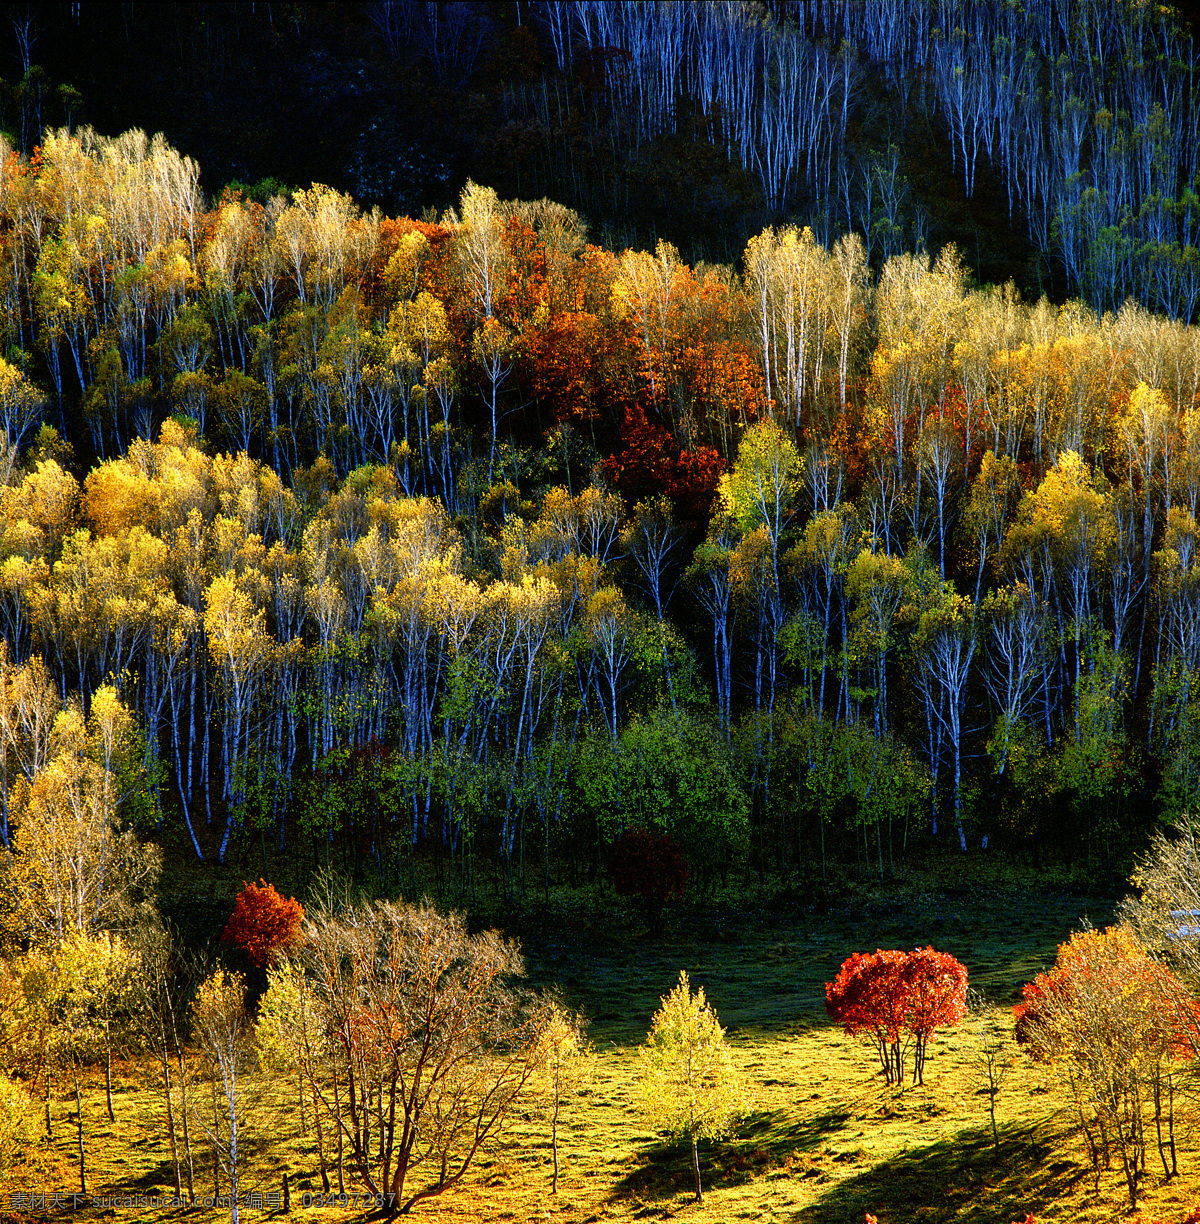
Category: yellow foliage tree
<point>565,1061</point>
<point>688,1086</point>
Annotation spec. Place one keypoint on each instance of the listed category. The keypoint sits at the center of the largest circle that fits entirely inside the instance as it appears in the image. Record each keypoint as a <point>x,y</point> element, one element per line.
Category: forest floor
<point>824,1142</point>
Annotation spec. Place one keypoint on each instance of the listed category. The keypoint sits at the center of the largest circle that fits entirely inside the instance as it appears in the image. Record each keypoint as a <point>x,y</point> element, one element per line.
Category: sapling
<point>565,1062</point>
<point>993,1059</point>
<point>689,1086</point>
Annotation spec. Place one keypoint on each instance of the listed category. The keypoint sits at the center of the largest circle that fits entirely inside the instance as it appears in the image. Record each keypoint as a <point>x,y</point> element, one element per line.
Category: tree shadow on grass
<point>952,1181</point>
<point>158,1179</point>
<point>765,1140</point>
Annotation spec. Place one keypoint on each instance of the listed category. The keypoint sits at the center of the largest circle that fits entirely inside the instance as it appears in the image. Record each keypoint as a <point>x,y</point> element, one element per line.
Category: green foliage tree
<point>676,777</point>
<point>764,483</point>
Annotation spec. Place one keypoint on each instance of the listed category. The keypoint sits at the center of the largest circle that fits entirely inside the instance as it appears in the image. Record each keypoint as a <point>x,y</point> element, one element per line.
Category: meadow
<point>824,1142</point>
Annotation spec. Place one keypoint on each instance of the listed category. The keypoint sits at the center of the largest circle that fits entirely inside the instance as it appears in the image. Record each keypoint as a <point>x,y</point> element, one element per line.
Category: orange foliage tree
<point>1111,1021</point>
<point>263,923</point>
<point>898,999</point>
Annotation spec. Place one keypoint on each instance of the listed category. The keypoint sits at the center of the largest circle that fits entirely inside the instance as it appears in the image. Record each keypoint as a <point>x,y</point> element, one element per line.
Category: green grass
<point>825,1141</point>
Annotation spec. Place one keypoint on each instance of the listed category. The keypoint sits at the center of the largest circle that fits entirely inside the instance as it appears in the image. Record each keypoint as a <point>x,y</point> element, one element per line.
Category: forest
<point>499,541</point>
<point>516,560</point>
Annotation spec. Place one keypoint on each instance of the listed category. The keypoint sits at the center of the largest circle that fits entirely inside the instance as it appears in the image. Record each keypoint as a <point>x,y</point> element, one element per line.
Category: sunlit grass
<point>825,1141</point>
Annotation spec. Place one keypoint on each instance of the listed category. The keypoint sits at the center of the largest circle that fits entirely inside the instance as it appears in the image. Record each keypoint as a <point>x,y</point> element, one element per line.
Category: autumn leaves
<point>492,491</point>
<point>899,1000</point>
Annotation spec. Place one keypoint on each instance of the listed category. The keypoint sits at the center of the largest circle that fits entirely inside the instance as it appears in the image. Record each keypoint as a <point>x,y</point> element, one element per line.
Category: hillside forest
<point>710,488</point>
<point>470,539</point>
<point>1054,141</point>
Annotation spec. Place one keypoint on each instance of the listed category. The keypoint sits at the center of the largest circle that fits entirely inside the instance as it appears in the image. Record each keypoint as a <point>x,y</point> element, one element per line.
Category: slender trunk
<point>337,1105</point>
<point>79,1132</point>
<point>320,1141</point>
<point>696,1170</point>
<point>216,1138</point>
<point>166,1073</point>
<point>108,1072</point>
<point>187,1139</point>
<point>1158,1117</point>
<point>1171,1123</point>
<point>554,1142</point>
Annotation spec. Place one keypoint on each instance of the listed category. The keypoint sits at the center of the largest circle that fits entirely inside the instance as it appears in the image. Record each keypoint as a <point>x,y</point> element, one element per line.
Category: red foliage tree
<point>867,997</point>
<point>898,999</point>
<point>651,463</point>
<point>263,923</point>
<point>936,997</point>
<point>650,866</point>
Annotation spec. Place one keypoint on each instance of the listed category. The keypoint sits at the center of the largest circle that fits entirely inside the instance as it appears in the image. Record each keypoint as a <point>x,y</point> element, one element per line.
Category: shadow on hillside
<point>766,1140</point>
<point>158,1179</point>
<point>952,1181</point>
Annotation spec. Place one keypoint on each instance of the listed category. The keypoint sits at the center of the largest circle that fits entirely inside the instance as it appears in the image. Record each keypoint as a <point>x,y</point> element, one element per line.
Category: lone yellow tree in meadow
<point>565,1062</point>
<point>688,1084</point>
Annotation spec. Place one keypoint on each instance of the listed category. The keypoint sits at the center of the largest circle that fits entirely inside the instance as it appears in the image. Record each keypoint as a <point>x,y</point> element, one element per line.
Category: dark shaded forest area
<point>482,537</point>
<point>1054,142</point>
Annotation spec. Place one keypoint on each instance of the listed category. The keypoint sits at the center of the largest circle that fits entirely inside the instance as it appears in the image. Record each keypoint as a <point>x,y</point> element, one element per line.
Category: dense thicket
<point>469,536</point>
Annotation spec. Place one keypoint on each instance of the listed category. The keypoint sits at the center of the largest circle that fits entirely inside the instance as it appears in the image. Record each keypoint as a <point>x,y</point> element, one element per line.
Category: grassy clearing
<point>825,1142</point>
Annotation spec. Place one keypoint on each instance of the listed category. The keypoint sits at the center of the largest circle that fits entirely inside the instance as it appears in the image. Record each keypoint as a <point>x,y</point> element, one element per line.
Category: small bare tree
<point>156,1020</point>
<point>993,1056</point>
<point>219,1025</point>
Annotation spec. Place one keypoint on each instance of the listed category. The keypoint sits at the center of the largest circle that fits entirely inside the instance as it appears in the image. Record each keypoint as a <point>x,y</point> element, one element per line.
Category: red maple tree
<point>651,462</point>
<point>897,999</point>
<point>263,922</point>
<point>936,997</point>
<point>650,866</point>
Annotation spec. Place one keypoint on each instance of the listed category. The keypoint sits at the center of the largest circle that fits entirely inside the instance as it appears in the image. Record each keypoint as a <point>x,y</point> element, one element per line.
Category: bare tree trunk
<point>554,1142</point>
<point>320,1141</point>
<point>187,1141</point>
<point>337,1105</point>
<point>166,1070</point>
<point>216,1138</point>
<point>108,1073</point>
<point>79,1131</point>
